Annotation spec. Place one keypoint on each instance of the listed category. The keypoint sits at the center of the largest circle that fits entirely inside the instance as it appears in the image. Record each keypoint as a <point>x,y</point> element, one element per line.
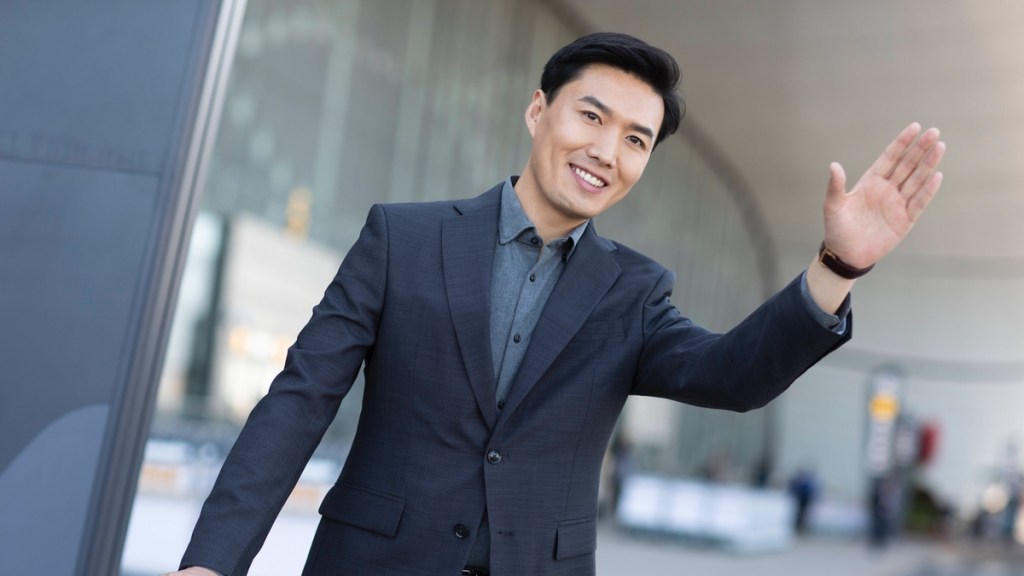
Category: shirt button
<point>501,404</point>
<point>494,456</point>
<point>534,241</point>
<point>517,338</point>
<point>461,531</point>
<point>533,277</point>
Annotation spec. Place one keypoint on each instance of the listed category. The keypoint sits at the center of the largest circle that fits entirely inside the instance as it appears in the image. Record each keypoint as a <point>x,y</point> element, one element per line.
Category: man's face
<point>590,145</point>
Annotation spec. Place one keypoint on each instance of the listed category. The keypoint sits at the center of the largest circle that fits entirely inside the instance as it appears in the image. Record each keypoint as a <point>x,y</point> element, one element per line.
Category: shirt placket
<point>533,288</point>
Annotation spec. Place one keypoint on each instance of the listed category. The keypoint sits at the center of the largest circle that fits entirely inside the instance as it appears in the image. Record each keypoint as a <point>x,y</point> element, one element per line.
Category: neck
<point>549,223</point>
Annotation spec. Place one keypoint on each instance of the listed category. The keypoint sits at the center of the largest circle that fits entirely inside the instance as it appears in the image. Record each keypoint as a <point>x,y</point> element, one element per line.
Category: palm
<point>866,223</point>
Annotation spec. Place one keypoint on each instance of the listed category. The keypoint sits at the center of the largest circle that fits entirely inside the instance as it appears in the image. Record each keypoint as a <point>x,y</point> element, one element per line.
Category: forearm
<point>827,289</point>
<point>257,477</point>
<point>195,571</point>
<point>285,427</point>
<point>742,369</point>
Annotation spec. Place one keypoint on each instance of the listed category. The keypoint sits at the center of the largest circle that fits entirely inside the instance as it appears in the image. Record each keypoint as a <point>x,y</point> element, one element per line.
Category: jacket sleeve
<point>740,370</point>
<point>287,424</point>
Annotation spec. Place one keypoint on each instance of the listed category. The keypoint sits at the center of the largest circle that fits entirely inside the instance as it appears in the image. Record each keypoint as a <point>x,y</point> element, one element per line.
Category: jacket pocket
<point>576,538</point>
<point>371,511</point>
<point>601,330</point>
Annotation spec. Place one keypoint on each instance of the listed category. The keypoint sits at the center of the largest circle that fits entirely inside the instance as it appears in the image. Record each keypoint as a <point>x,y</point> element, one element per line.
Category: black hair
<point>653,65</point>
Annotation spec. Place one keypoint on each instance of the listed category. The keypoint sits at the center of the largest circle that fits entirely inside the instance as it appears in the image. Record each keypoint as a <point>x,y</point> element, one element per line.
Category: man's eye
<point>591,116</point>
<point>637,141</point>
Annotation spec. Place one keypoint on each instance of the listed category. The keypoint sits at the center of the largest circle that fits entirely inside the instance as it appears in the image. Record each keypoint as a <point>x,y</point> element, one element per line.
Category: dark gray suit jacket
<point>411,300</point>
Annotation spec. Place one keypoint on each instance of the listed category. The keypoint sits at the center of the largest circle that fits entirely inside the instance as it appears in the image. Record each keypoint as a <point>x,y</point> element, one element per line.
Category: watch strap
<point>836,264</point>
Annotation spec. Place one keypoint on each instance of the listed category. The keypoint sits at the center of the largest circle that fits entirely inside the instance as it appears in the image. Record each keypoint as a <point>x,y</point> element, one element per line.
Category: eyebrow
<point>592,100</point>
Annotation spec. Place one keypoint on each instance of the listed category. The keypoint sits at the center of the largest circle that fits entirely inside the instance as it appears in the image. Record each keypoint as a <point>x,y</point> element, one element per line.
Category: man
<point>501,336</point>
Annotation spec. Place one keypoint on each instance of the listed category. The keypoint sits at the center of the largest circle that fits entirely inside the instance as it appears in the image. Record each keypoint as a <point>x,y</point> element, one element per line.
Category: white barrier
<point>736,517</point>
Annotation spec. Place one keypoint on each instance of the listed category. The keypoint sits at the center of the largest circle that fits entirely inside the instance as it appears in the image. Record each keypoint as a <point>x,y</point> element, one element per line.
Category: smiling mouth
<point>589,178</point>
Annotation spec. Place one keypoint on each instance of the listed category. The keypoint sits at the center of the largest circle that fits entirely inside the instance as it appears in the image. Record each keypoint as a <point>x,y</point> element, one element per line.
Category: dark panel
<point>96,83</point>
<point>72,244</point>
<point>99,103</point>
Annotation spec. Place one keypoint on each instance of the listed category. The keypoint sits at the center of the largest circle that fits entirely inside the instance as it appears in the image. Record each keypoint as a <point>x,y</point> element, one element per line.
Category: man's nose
<point>604,149</point>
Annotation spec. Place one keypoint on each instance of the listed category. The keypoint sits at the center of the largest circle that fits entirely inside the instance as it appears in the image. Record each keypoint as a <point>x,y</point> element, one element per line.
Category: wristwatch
<point>835,264</point>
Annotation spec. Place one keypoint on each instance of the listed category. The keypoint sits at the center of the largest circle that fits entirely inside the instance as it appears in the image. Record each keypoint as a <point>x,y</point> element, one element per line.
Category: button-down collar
<point>515,224</point>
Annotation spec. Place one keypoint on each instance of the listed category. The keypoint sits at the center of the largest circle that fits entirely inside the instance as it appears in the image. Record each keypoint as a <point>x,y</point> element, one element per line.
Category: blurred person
<point>762,473</point>
<point>883,507</point>
<point>501,336</point>
<point>803,487</point>
<point>716,468</point>
<point>1013,480</point>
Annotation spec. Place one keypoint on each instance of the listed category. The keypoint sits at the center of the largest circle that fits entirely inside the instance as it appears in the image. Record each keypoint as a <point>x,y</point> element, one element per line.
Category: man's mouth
<point>589,178</point>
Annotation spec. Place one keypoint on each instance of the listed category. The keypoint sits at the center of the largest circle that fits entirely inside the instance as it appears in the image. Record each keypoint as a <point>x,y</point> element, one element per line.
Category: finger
<point>913,157</point>
<point>924,196</point>
<point>885,163</point>
<point>924,170</point>
<point>836,185</point>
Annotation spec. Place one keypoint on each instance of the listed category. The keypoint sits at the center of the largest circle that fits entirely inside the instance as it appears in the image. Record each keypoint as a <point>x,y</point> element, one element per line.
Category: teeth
<point>589,178</point>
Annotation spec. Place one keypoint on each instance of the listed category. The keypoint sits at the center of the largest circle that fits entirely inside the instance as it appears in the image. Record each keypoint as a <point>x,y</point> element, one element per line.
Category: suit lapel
<point>591,271</point>
<point>468,242</point>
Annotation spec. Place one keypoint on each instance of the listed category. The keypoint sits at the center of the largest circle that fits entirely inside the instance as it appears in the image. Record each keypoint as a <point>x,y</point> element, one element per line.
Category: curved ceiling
<point>787,86</point>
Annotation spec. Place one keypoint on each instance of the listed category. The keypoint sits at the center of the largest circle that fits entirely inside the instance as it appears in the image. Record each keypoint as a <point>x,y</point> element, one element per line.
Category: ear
<point>535,110</point>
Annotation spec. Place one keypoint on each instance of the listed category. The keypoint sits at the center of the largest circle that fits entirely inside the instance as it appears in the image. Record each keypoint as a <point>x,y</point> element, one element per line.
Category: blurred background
<point>898,454</point>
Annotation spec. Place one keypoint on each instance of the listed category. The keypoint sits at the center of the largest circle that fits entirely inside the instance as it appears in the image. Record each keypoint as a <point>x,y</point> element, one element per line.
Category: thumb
<point>836,184</point>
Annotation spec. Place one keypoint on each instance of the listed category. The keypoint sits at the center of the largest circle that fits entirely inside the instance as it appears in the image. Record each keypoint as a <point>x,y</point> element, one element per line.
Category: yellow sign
<point>884,407</point>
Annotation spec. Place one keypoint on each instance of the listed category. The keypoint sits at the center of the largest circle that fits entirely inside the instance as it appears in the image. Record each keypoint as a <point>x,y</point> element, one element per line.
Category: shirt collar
<point>513,221</point>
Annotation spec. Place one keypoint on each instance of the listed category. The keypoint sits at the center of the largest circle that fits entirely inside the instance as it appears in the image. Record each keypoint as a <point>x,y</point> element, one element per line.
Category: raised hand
<point>866,223</point>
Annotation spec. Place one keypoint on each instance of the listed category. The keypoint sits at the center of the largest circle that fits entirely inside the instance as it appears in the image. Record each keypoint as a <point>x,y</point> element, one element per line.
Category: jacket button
<point>461,531</point>
<point>494,456</point>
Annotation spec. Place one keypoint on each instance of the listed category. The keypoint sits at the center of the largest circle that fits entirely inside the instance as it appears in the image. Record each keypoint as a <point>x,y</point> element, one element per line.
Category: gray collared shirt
<point>524,274</point>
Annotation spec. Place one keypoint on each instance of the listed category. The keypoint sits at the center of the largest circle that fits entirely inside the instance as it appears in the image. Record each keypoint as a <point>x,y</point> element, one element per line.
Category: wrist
<point>834,263</point>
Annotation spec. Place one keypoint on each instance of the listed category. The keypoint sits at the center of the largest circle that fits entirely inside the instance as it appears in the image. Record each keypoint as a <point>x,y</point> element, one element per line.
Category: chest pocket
<point>601,330</point>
